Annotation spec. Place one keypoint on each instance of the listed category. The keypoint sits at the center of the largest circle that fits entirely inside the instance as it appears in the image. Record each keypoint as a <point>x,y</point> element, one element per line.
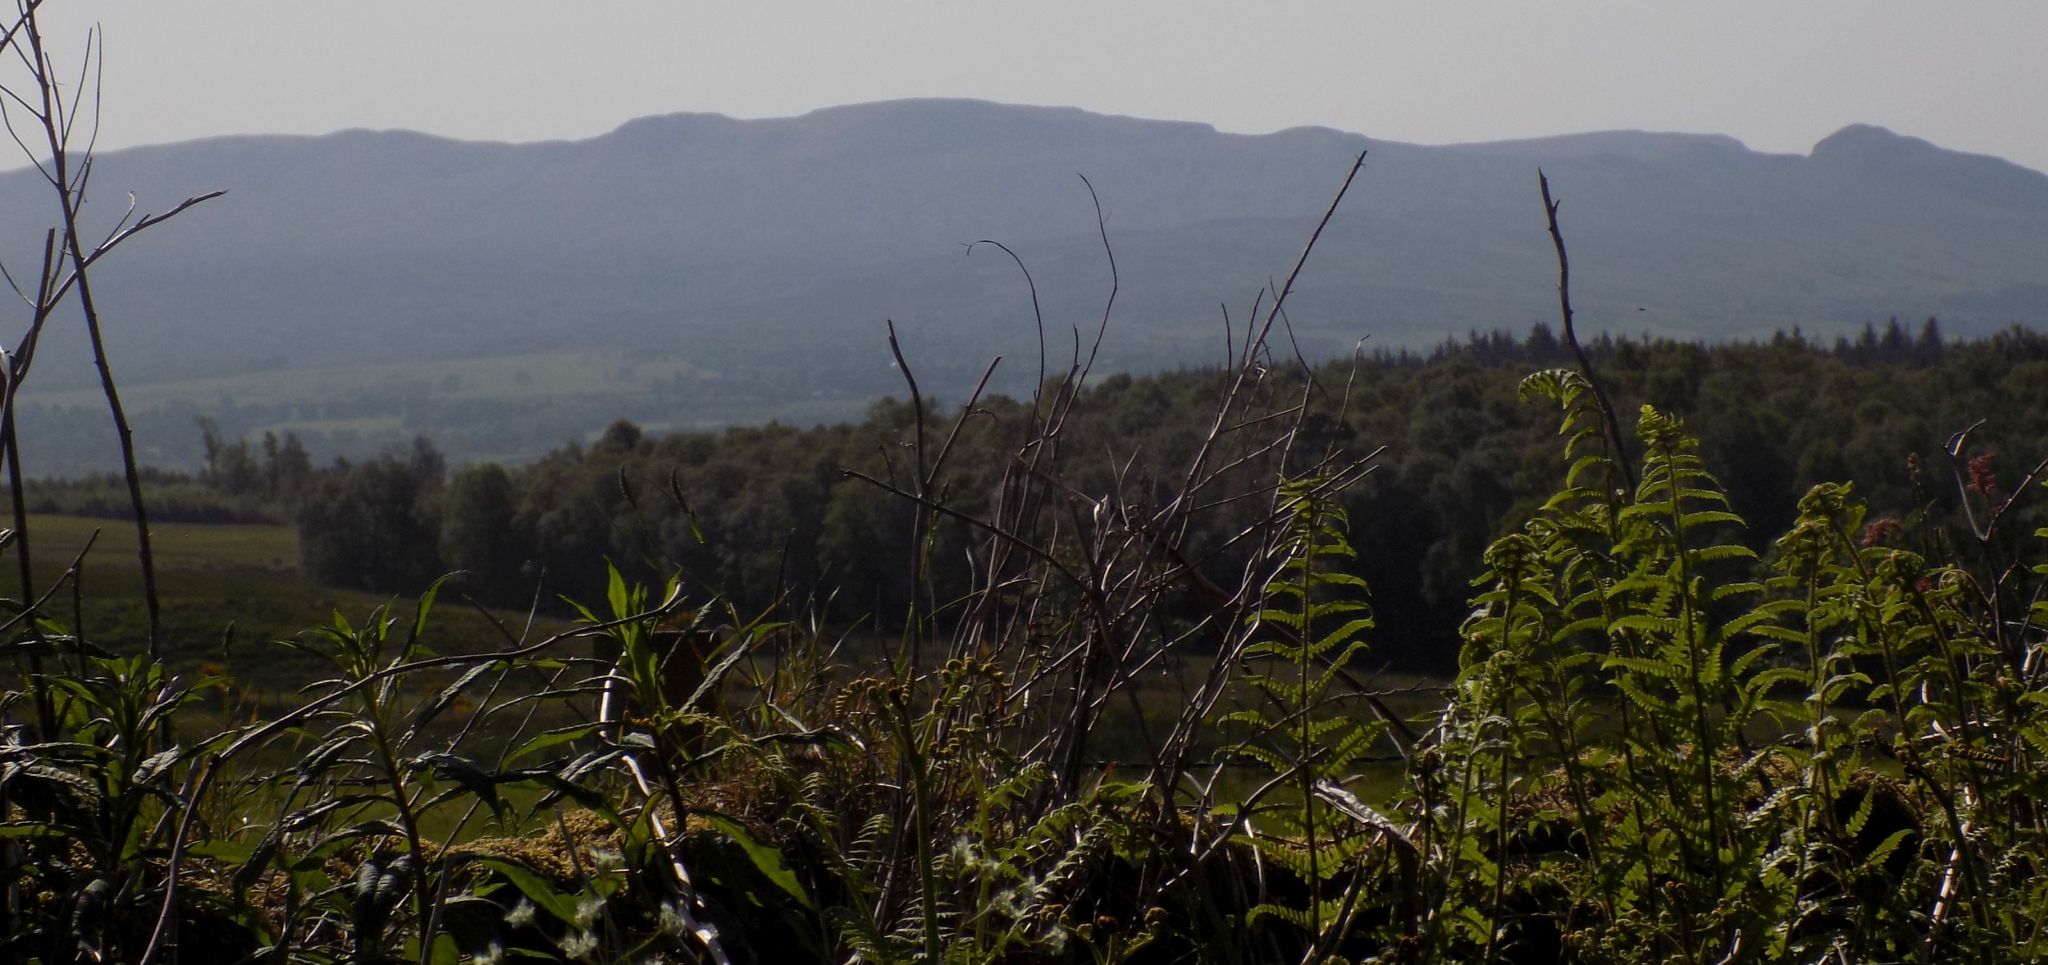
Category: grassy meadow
<point>228,592</point>
<point>506,408</point>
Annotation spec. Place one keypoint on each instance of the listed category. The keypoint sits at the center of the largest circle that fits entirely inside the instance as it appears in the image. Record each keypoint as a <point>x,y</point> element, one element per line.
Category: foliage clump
<point>1661,744</point>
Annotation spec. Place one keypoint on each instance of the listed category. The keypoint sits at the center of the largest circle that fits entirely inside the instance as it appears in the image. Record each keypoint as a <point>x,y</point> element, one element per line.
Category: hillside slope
<point>695,269</point>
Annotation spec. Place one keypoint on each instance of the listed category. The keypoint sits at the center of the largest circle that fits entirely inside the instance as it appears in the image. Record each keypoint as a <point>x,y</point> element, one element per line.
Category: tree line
<point>804,517</point>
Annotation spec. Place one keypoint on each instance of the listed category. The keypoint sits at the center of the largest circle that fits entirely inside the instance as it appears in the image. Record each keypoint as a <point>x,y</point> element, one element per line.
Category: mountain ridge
<point>778,247</point>
<point>1860,134</point>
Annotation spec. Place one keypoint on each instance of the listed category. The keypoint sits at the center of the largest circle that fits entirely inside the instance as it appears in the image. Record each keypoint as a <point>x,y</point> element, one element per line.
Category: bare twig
<point>1037,319</point>
<point>58,124</point>
<point>1115,280</point>
<point>1294,274</point>
<point>1564,306</point>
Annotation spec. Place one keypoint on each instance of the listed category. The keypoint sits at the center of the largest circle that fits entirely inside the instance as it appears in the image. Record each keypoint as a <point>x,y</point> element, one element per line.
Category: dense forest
<point>771,513</point>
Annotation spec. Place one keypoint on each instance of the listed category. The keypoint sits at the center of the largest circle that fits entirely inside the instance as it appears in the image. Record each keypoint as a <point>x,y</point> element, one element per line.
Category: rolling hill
<point>694,270</point>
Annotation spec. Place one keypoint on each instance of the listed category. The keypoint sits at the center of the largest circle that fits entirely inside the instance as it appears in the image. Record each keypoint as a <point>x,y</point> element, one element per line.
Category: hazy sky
<point>1779,74</point>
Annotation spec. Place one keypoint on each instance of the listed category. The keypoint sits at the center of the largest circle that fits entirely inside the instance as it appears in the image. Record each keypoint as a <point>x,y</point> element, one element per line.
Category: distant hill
<point>693,269</point>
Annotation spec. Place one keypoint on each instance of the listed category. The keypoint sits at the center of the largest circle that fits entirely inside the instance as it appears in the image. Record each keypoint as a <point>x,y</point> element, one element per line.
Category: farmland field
<point>229,592</point>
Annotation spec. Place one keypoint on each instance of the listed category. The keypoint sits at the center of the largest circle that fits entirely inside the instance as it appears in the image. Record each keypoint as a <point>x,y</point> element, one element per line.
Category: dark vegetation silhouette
<point>1100,679</point>
<point>761,512</point>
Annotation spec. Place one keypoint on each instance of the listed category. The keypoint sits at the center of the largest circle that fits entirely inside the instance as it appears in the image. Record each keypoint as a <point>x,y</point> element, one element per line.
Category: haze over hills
<point>694,269</point>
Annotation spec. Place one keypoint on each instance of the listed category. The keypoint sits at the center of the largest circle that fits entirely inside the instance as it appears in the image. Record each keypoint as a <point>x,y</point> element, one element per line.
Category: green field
<point>502,408</point>
<point>228,593</point>
<point>495,378</point>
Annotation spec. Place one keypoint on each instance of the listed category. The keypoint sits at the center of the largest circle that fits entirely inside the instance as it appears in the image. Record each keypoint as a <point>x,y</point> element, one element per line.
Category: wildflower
<point>673,920</point>
<point>1879,530</point>
<point>587,909</point>
<point>580,944</point>
<point>1983,477</point>
<point>521,914</point>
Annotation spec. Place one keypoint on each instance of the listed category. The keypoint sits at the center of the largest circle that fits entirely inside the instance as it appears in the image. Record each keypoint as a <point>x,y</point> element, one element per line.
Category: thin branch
<point>1037,319</point>
<point>68,204</point>
<point>916,397</point>
<point>1229,345</point>
<point>30,611</point>
<point>1256,335</point>
<point>1115,280</point>
<point>1571,338</point>
<point>1280,298</point>
<point>988,527</point>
